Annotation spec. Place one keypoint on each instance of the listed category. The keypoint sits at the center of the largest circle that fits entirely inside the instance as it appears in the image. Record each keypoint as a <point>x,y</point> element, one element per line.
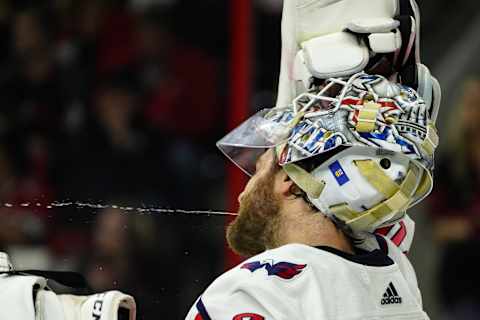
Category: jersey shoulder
<point>296,280</point>
<point>258,286</point>
<point>284,263</point>
<point>289,267</point>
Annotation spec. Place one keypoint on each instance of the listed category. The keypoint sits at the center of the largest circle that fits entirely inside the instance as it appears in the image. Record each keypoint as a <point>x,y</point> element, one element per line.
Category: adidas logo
<point>391,296</point>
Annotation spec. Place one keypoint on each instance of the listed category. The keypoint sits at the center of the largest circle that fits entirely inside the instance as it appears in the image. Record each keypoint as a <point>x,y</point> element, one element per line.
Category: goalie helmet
<point>354,123</point>
<point>371,142</point>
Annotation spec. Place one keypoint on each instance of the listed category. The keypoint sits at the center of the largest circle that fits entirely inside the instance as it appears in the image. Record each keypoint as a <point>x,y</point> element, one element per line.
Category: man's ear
<point>283,184</point>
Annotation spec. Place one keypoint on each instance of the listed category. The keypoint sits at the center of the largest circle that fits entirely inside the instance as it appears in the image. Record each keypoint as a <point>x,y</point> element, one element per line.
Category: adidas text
<point>391,300</point>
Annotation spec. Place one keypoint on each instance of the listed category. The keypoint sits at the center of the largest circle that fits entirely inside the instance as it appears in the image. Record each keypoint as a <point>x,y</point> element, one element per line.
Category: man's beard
<point>256,227</point>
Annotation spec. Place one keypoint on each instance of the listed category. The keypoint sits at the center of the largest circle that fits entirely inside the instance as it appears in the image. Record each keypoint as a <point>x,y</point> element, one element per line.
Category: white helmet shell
<point>345,184</point>
<point>350,194</point>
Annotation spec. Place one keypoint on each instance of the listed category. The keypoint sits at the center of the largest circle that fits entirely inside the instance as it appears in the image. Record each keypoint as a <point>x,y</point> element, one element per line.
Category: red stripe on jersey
<point>384,231</point>
<point>400,235</point>
<point>198,317</point>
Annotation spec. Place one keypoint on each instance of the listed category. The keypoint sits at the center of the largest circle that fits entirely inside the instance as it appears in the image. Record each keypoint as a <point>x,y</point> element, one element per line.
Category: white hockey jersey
<point>300,282</point>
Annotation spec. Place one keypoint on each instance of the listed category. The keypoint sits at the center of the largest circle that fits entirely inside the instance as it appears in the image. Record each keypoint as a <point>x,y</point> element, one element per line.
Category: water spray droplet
<point>138,210</point>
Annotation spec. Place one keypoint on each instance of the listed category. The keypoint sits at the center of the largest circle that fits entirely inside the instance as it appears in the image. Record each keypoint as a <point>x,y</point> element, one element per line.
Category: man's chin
<point>253,229</point>
<point>245,236</point>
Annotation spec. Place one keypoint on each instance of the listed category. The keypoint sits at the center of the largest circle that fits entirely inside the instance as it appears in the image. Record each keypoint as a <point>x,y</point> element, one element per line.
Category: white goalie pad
<point>380,26</point>
<point>309,24</point>
<point>385,42</point>
<point>28,297</point>
<point>48,306</point>
<point>372,25</point>
<point>16,292</point>
<point>101,306</point>
<point>335,55</point>
<point>302,73</point>
<point>315,18</point>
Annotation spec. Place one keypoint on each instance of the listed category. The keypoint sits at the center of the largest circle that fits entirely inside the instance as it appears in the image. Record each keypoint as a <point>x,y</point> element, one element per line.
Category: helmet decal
<point>370,111</point>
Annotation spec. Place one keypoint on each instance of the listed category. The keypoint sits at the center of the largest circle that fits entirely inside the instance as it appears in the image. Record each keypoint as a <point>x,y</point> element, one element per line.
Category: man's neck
<point>313,229</point>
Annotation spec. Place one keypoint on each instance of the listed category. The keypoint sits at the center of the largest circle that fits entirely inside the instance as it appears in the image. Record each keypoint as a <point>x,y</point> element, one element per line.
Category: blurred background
<point>121,102</point>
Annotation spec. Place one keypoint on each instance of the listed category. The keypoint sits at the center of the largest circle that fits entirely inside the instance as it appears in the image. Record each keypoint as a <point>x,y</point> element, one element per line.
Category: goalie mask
<point>371,143</point>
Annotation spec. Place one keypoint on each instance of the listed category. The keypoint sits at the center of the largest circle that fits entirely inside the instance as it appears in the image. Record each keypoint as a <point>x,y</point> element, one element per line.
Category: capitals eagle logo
<point>284,270</point>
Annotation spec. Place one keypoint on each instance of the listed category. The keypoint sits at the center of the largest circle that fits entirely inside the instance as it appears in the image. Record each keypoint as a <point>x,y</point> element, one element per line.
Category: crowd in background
<point>105,102</point>
<point>121,102</point>
<point>455,208</point>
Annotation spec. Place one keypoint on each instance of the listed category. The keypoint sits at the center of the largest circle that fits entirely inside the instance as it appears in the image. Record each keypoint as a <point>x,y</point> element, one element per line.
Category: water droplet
<point>137,210</point>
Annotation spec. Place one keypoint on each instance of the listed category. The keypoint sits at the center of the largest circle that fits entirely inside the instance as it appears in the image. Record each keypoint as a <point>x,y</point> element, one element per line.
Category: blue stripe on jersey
<point>382,243</point>
<point>202,310</point>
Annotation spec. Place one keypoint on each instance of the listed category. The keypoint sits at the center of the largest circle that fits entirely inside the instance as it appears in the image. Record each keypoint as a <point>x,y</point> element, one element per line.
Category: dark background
<point>121,102</point>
